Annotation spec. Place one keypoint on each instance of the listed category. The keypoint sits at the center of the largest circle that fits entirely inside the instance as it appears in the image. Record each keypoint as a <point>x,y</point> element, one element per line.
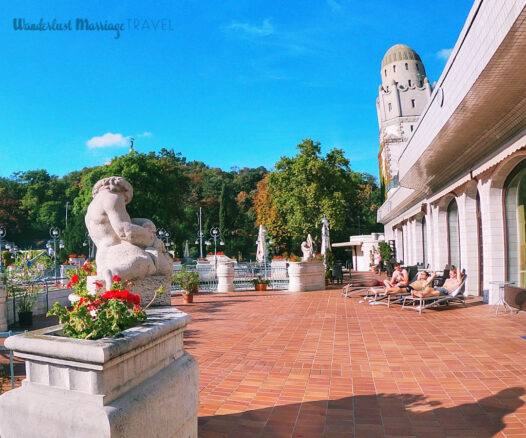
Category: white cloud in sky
<point>334,5</point>
<point>107,140</point>
<point>444,53</point>
<point>265,29</point>
<point>145,134</point>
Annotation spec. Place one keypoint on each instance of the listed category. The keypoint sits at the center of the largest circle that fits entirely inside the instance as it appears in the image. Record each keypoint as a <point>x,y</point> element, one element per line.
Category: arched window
<point>409,82</point>
<point>394,68</point>
<point>406,66</point>
<point>453,234</point>
<point>424,239</point>
<point>385,72</point>
<point>515,204</point>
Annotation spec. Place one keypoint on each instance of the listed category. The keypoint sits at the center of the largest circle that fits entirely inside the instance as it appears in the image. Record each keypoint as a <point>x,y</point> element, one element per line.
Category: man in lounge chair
<point>420,284</point>
<point>400,278</point>
<point>449,286</point>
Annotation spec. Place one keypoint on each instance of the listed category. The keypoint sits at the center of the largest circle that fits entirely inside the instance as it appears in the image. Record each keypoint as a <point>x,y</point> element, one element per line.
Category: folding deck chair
<point>396,298</point>
<point>455,296</point>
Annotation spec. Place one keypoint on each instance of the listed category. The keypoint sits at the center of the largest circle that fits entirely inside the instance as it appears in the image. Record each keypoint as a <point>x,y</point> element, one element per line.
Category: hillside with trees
<point>290,200</point>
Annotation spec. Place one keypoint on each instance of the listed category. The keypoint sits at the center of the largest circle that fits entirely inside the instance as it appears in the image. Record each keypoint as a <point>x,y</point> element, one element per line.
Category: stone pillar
<point>440,243</point>
<point>430,256</point>
<point>493,229</point>
<point>469,260</point>
<point>306,276</point>
<point>3,308</point>
<point>142,384</point>
<point>225,277</point>
<point>419,244</point>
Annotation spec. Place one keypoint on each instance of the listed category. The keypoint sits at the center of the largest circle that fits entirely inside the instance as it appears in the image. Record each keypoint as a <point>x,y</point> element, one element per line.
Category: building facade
<point>456,179</point>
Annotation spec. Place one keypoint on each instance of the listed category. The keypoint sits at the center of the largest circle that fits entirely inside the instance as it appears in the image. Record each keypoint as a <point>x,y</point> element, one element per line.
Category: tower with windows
<point>402,97</point>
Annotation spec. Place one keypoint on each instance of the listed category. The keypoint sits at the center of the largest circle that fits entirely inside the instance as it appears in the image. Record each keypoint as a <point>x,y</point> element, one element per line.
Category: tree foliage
<point>290,201</point>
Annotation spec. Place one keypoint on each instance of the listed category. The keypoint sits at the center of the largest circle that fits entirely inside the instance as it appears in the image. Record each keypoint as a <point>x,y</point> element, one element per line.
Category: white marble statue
<point>261,253</point>
<point>307,248</point>
<point>126,247</point>
<point>325,239</point>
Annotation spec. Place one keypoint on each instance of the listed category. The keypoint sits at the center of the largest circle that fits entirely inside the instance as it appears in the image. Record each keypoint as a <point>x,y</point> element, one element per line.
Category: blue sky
<point>231,83</point>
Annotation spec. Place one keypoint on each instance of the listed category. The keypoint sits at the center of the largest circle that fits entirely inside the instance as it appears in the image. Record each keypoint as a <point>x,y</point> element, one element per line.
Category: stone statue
<point>261,253</point>
<point>126,247</point>
<point>325,239</point>
<point>307,248</point>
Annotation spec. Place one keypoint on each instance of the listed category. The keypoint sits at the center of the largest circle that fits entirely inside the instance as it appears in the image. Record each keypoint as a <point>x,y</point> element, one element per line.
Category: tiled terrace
<point>275,364</point>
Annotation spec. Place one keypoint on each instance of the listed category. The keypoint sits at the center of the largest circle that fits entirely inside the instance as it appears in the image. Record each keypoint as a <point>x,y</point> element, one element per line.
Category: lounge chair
<point>455,296</point>
<point>382,298</point>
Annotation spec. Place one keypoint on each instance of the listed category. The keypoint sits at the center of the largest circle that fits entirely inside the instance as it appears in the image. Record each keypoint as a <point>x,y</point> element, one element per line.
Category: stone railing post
<point>225,277</point>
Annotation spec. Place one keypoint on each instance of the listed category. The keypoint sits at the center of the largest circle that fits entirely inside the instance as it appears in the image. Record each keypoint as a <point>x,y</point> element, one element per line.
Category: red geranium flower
<point>75,279</point>
<point>116,278</point>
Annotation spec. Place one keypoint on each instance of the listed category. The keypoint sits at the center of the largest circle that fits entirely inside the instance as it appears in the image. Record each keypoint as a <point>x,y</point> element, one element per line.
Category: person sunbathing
<point>449,286</point>
<point>400,278</point>
<point>421,283</point>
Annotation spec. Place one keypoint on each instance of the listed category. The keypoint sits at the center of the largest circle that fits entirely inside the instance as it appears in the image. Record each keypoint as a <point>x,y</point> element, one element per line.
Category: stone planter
<point>225,277</point>
<point>142,384</point>
<point>306,276</point>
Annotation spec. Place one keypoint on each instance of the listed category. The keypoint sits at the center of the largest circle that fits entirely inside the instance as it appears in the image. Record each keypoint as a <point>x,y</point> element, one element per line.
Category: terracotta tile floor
<point>275,364</point>
<point>315,364</point>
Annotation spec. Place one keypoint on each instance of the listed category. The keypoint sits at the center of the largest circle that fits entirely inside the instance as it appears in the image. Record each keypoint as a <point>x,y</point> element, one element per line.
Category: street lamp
<point>54,232</point>
<point>164,236</point>
<point>200,233</point>
<point>215,233</point>
<point>88,243</point>
<point>3,233</point>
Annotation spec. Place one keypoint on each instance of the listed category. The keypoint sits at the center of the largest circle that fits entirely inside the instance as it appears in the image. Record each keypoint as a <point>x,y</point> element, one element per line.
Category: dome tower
<point>402,97</point>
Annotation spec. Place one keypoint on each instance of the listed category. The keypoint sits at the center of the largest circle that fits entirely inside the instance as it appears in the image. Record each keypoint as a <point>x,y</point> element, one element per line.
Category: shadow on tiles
<point>369,416</point>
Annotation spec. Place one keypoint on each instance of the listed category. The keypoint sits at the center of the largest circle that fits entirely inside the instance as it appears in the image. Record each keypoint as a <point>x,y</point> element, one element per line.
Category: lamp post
<point>164,236</point>
<point>54,232</point>
<point>200,233</point>
<point>215,233</point>
<point>3,233</point>
<point>67,205</point>
<point>88,243</point>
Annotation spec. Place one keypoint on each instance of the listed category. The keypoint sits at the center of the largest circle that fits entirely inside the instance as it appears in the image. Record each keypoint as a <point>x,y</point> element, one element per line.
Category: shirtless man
<point>126,247</point>
<point>420,284</point>
<point>449,285</point>
<point>400,277</point>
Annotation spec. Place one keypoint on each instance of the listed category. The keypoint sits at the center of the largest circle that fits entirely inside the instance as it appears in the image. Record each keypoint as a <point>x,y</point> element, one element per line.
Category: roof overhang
<point>451,138</point>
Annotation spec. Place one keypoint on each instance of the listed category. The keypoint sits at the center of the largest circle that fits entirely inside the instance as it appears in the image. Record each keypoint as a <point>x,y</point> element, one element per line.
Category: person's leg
<point>388,284</point>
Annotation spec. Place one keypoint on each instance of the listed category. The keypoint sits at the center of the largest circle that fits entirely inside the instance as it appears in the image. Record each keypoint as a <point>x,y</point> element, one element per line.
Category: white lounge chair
<point>457,295</point>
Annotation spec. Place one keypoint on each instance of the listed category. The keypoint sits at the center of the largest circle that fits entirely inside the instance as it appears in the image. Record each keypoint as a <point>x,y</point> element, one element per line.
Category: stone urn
<point>306,276</point>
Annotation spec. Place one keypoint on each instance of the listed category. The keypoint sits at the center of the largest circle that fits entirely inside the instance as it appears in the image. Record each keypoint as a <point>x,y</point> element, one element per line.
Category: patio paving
<point>274,364</point>
<point>316,364</point>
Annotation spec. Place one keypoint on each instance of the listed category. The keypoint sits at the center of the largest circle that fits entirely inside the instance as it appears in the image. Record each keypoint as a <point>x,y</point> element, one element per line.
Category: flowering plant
<point>78,277</point>
<point>103,314</point>
<point>278,257</point>
<point>294,258</point>
<point>319,256</point>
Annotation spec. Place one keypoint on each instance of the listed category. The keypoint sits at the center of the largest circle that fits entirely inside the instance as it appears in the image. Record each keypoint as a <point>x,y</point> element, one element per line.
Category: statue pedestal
<point>142,384</point>
<point>3,309</point>
<point>225,277</point>
<point>305,276</point>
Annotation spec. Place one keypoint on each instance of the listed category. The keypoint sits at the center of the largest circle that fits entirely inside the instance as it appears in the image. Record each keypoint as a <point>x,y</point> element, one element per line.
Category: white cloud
<point>444,53</point>
<point>145,134</point>
<point>265,29</point>
<point>334,5</point>
<point>107,140</point>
